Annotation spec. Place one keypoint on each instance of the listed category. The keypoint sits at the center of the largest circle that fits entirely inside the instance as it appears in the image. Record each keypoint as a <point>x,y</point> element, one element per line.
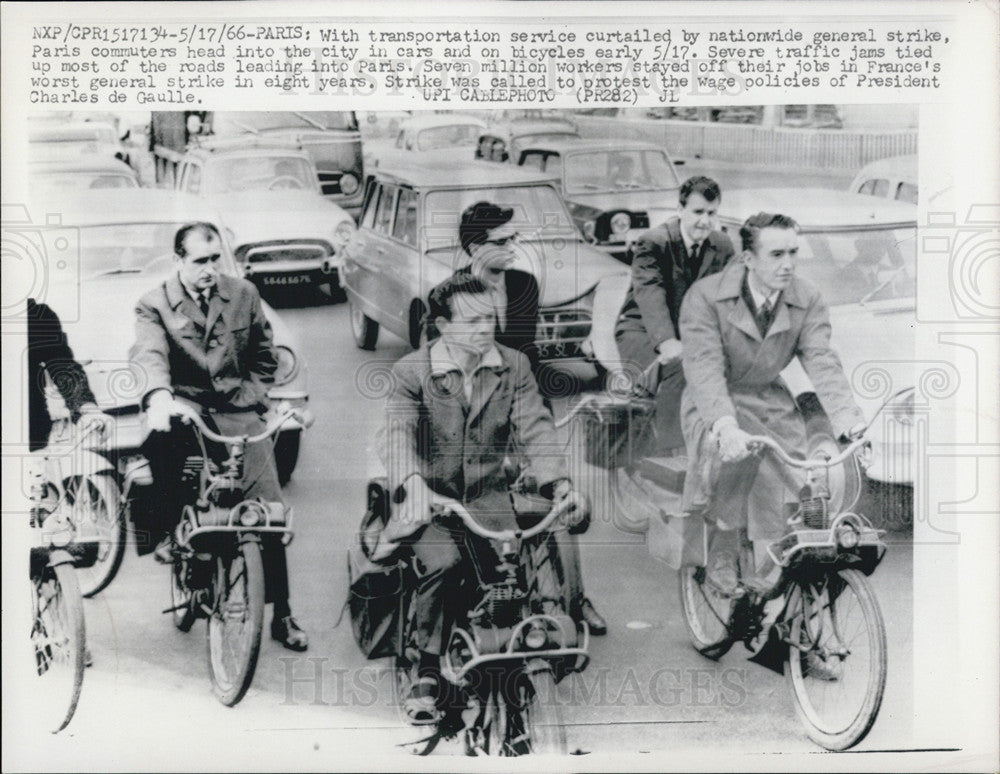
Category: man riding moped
<point>458,405</point>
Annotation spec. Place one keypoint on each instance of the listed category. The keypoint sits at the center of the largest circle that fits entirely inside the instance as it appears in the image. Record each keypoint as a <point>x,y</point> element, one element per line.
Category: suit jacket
<point>458,446</point>
<point>731,370</point>
<point>49,352</point>
<point>661,277</point>
<point>224,362</point>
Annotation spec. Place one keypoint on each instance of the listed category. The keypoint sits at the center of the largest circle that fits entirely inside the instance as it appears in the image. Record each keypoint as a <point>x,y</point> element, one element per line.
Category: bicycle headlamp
<point>847,536</point>
<point>535,639</point>
<point>250,517</point>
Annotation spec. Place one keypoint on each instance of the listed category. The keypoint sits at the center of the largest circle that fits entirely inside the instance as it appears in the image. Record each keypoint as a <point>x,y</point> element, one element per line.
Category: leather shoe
<point>286,631</point>
<point>595,621</point>
<point>164,551</point>
<point>723,572</point>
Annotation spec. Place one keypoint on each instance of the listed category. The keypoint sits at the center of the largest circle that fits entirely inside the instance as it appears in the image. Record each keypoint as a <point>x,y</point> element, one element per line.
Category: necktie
<point>694,259</point>
<point>764,317</point>
<point>203,304</point>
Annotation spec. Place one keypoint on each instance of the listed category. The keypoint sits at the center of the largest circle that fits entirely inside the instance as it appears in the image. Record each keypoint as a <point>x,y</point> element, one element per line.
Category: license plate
<point>287,279</point>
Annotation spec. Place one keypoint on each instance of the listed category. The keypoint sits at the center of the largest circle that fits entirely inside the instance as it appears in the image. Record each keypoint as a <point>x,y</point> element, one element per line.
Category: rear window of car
<point>906,192</point>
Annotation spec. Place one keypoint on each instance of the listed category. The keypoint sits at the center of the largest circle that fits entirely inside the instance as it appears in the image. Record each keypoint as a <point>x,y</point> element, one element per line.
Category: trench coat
<point>731,370</point>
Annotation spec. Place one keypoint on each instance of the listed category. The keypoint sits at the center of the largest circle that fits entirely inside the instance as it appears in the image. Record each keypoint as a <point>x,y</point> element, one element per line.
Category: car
<point>57,140</point>
<point>504,140</point>
<point>860,252</point>
<point>330,137</point>
<point>890,178</point>
<point>86,173</point>
<point>615,189</point>
<point>407,242</point>
<point>286,234</point>
<point>430,136</point>
<point>120,245</point>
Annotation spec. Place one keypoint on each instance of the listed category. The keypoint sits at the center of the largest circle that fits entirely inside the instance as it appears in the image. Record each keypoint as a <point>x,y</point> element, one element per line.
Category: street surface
<point>147,700</point>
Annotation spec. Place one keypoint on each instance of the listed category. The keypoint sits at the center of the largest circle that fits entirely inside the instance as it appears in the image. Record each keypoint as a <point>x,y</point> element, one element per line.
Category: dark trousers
<point>637,354</point>
<point>167,452</point>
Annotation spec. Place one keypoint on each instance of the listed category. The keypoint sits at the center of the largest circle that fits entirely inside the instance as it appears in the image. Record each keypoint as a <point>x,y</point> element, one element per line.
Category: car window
<point>535,160</point>
<point>447,136</point>
<point>851,266</point>
<point>261,173</point>
<point>383,213</point>
<point>131,248</point>
<point>192,178</point>
<point>606,171</point>
<point>875,187</point>
<point>906,192</point>
<point>405,228</point>
<point>371,203</point>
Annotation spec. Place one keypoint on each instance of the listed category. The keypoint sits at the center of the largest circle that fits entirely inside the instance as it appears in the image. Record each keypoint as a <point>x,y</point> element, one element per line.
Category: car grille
<point>268,253</point>
<point>561,332</point>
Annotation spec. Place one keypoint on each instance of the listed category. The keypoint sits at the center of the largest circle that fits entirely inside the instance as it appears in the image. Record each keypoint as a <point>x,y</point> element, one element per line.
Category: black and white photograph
<point>653,430</point>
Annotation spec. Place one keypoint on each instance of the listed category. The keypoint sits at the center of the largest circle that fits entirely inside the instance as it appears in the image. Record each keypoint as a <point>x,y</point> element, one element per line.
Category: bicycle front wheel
<point>533,718</point>
<point>707,613</point>
<point>236,621</point>
<point>59,640</point>
<point>837,659</point>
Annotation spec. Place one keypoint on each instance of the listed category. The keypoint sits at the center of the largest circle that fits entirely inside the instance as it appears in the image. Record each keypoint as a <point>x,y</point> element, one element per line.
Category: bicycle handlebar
<point>763,441</point>
<point>272,427</point>
<point>447,505</point>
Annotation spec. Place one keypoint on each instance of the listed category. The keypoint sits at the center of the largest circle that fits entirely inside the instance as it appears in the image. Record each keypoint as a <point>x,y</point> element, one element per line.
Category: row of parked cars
<point>578,203</point>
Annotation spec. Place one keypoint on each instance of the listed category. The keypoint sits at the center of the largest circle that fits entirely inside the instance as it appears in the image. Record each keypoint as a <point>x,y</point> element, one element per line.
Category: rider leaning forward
<point>202,341</point>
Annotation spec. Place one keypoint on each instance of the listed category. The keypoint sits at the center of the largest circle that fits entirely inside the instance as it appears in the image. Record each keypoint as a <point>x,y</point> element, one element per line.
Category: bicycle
<point>58,631</point>
<point>218,572</point>
<point>830,634</point>
<point>517,643</point>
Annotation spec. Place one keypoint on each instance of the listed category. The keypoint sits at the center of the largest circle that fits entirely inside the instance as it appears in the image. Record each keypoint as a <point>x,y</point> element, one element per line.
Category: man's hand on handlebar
<point>162,406</point>
<point>733,442</point>
<point>577,514</point>
<point>92,419</point>
<point>669,351</point>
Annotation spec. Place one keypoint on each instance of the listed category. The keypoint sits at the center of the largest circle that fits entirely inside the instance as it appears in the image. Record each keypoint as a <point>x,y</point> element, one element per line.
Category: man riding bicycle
<point>458,406</point>
<point>741,328</point>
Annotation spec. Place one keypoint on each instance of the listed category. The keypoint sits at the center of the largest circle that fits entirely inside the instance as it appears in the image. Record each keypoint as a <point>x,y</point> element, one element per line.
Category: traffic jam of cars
<point>309,212</point>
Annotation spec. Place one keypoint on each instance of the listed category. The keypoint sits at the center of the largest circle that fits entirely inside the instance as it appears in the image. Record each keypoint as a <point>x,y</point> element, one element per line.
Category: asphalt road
<point>147,701</point>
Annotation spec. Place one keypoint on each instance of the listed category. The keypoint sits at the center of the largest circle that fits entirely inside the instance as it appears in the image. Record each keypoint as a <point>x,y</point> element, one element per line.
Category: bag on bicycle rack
<point>617,431</point>
<point>375,588</point>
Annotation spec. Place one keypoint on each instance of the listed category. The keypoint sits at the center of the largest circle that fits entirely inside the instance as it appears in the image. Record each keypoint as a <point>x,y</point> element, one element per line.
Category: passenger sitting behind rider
<point>457,406</point>
<point>741,328</point>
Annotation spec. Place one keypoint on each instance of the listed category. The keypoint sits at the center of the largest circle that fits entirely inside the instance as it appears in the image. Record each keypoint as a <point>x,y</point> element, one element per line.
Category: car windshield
<point>447,136</point>
<point>131,248</point>
<point>867,265</point>
<point>618,171</point>
<point>261,173</point>
<point>228,123</point>
<point>78,181</point>
<point>539,213</point>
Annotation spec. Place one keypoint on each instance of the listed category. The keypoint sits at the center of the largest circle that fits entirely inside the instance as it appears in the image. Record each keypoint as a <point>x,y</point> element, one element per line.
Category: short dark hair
<point>699,184</point>
<point>206,229</point>
<point>478,220</point>
<point>750,230</point>
<point>439,299</point>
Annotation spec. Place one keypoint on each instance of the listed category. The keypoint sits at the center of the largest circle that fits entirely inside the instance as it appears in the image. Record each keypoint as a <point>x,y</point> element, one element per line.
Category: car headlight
<point>288,365</point>
<point>589,230</point>
<point>348,183</point>
<point>620,222</point>
<point>342,233</point>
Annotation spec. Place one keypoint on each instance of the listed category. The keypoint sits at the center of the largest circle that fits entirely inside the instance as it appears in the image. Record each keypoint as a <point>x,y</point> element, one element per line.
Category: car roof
<point>254,150</point>
<point>520,126</point>
<point>901,167</point>
<point>458,174</point>
<point>567,145</point>
<point>817,208</point>
<point>416,123</point>
<point>126,205</point>
<point>89,163</point>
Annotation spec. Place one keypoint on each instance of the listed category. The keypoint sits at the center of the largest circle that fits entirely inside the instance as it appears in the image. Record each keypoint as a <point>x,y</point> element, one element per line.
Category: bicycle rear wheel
<point>96,500</point>
<point>707,613</point>
<point>237,619</point>
<point>59,640</point>
<point>838,675</point>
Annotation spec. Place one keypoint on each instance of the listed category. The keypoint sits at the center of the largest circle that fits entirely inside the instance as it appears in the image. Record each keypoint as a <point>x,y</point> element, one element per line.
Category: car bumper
<point>284,273</point>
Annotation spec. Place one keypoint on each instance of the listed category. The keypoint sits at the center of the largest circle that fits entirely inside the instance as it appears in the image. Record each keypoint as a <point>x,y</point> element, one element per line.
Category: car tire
<point>416,326</point>
<point>286,454</point>
<point>364,328</point>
